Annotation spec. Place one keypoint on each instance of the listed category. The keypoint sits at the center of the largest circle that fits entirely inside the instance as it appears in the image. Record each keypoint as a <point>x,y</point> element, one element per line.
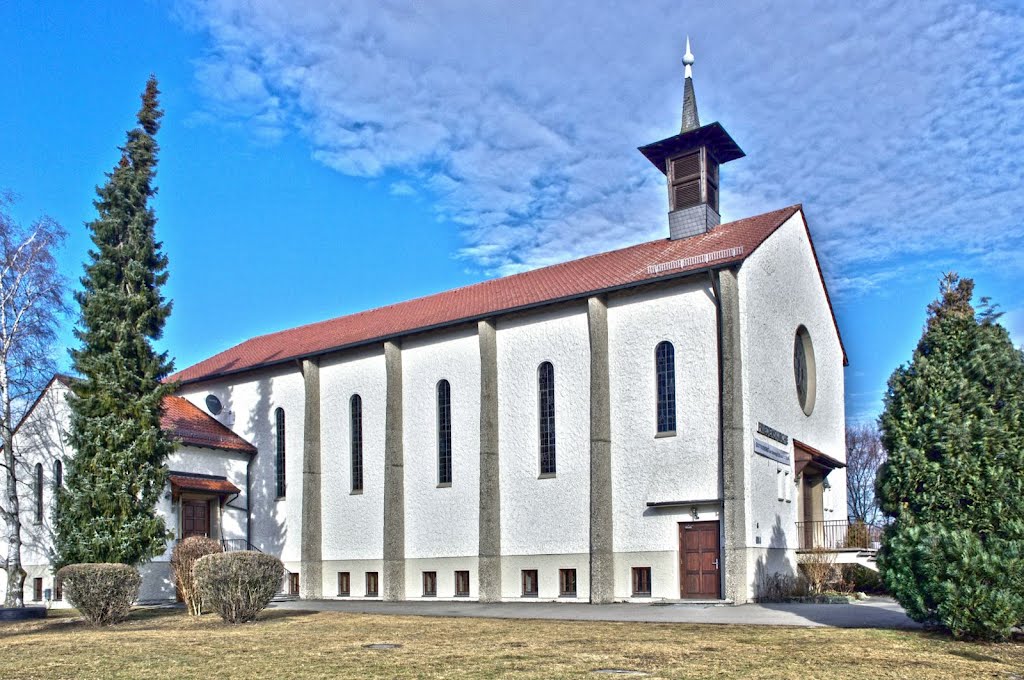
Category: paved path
<point>873,613</point>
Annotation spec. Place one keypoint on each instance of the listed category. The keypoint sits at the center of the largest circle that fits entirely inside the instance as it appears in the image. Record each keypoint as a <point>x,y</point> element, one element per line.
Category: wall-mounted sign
<point>772,433</point>
<point>771,452</point>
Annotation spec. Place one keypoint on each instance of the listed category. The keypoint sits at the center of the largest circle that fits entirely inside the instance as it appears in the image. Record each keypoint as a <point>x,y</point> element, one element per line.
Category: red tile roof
<point>187,423</point>
<point>656,260</point>
<point>217,485</point>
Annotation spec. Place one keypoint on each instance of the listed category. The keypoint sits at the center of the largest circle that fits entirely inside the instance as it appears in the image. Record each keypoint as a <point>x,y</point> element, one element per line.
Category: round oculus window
<point>213,404</point>
<point>803,369</point>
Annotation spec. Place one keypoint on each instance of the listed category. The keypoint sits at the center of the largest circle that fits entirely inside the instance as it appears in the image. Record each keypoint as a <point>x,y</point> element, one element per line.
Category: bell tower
<point>690,162</point>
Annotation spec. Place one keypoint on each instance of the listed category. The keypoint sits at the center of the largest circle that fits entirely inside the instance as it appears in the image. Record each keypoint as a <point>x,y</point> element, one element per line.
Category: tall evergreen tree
<point>108,510</point>
<point>953,486</point>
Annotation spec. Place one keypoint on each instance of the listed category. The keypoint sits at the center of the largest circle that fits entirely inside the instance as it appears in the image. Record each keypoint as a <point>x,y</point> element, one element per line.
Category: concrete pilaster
<point>311,564</point>
<point>394,478</point>
<point>602,565</point>
<point>734,461</point>
<point>489,566</point>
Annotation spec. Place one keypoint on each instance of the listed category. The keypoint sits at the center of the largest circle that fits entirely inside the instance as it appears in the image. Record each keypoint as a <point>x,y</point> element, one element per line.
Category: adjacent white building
<point>663,421</point>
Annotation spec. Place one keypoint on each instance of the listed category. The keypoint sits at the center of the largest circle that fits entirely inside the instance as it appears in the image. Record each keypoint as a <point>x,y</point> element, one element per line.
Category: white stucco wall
<point>353,523</point>
<point>645,467</point>
<point>780,289</point>
<point>544,516</point>
<point>441,521</point>
<point>249,402</point>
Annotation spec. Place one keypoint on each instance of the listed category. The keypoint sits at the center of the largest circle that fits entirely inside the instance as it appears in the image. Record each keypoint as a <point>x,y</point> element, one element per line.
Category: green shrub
<point>238,585</point>
<point>104,593</point>
<point>184,557</point>
<point>863,580</point>
<point>955,579</point>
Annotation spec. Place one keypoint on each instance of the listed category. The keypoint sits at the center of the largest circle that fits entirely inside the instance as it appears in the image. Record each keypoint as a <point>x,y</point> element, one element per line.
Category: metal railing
<point>838,535</point>
<point>233,544</point>
<point>229,544</point>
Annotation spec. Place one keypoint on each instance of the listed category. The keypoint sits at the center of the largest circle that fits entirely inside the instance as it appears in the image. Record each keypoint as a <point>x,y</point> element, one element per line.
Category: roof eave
<point>469,319</point>
<point>214,447</point>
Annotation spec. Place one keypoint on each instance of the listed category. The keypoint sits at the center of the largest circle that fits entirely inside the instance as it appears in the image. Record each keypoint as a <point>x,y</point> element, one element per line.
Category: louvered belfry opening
<point>694,180</point>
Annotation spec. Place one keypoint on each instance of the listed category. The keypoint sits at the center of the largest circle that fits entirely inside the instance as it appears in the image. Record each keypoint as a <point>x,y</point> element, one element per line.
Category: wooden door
<point>195,518</point>
<point>700,573</point>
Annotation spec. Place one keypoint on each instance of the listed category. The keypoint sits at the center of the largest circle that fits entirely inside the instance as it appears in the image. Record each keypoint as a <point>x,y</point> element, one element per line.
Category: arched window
<point>444,432</point>
<point>665,367</point>
<point>58,475</point>
<point>546,389</point>
<point>39,492</point>
<point>356,426</point>
<point>280,460</point>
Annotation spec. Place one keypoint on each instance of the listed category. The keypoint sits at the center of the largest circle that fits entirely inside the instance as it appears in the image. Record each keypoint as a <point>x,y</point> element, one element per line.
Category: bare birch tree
<point>864,455</point>
<point>31,304</point>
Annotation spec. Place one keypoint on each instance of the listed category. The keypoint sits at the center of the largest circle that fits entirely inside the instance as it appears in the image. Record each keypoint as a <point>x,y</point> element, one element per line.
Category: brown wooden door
<point>195,518</point>
<point>700,571</point>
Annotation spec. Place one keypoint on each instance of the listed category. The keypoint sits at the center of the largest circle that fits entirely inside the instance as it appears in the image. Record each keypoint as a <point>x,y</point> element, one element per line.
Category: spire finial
<point>688,59</point>
<point>690,119</point>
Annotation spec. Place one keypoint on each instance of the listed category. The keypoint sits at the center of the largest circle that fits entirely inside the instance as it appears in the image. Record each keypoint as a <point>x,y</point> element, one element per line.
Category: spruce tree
<point>108,511</point>
<point>953,486</point>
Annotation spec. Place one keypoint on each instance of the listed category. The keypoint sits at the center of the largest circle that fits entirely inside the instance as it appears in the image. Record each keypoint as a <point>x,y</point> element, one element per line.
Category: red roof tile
<point>185,422</point>
<point>218,485</point>
<point>726,244</point>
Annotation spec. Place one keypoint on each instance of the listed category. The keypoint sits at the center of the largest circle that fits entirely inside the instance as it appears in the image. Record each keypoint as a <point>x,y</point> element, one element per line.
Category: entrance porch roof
<point>203,484</point>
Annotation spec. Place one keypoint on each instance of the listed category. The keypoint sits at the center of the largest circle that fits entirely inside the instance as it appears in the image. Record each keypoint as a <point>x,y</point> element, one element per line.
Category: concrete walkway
<point>873,613</point>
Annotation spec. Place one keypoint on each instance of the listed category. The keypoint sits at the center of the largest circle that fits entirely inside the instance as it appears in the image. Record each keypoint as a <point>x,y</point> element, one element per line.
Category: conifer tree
<point>108,511</point>
<point>953,486</point>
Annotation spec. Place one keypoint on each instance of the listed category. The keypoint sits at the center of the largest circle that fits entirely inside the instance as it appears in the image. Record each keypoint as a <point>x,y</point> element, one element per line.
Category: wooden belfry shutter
<point>712,183</point>
<point>686,181</point>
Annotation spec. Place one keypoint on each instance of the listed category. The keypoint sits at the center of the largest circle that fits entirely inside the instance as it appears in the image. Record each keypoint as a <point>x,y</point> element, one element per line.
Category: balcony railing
<point>838,535</point>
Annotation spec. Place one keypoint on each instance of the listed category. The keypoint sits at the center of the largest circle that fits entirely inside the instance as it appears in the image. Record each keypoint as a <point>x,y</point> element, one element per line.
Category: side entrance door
<point>700,571</point>
<point>195,518</point>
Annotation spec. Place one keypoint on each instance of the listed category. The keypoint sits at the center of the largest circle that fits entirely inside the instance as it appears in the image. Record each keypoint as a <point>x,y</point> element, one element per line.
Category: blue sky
<point>320,158</point>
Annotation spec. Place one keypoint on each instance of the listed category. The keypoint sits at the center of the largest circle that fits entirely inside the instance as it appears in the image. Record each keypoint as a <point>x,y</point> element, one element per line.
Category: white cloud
<point>897,124</point>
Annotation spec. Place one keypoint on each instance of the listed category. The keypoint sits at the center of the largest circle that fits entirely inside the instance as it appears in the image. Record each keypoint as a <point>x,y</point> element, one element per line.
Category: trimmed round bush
<point>104,593</point>
<point>238,585</point>
<point>184,557</point>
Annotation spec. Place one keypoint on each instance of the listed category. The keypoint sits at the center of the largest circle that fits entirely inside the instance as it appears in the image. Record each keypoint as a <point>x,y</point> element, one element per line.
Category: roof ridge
<point>580,276</point>
<point>508,277</point>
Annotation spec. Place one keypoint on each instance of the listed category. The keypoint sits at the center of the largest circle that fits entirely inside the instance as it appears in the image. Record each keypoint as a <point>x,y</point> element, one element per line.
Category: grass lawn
<point>284,643</point>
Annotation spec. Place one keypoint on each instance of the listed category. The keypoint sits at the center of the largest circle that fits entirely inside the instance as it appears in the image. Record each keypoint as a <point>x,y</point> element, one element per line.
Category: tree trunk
<point>12,514</point>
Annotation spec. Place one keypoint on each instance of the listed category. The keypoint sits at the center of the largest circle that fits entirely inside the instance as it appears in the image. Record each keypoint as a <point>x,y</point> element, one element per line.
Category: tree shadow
<point>773,570</point>
<point>268,533</point>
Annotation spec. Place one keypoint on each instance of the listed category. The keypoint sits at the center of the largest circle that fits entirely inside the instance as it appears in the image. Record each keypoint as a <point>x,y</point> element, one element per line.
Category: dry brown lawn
<point>288,644</point>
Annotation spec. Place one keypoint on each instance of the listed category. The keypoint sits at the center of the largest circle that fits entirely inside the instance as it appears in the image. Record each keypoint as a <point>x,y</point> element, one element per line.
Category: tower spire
<point>691,121</point>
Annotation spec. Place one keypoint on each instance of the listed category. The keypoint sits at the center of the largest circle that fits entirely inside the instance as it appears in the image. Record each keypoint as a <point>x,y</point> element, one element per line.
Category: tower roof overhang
<point>713,136</point>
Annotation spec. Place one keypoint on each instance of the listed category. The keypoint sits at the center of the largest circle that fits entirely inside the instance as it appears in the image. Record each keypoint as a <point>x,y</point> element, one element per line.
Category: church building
<point>660,422</point>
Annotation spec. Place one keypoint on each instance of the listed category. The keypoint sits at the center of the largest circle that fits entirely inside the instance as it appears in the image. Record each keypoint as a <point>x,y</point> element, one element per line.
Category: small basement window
<point>567,583</point>
<point>430,584</point>
<point>462,584</point>
<point>641,581</point>
<point>344,584</point>
<point>371,584</point>
<point>529,583</point>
